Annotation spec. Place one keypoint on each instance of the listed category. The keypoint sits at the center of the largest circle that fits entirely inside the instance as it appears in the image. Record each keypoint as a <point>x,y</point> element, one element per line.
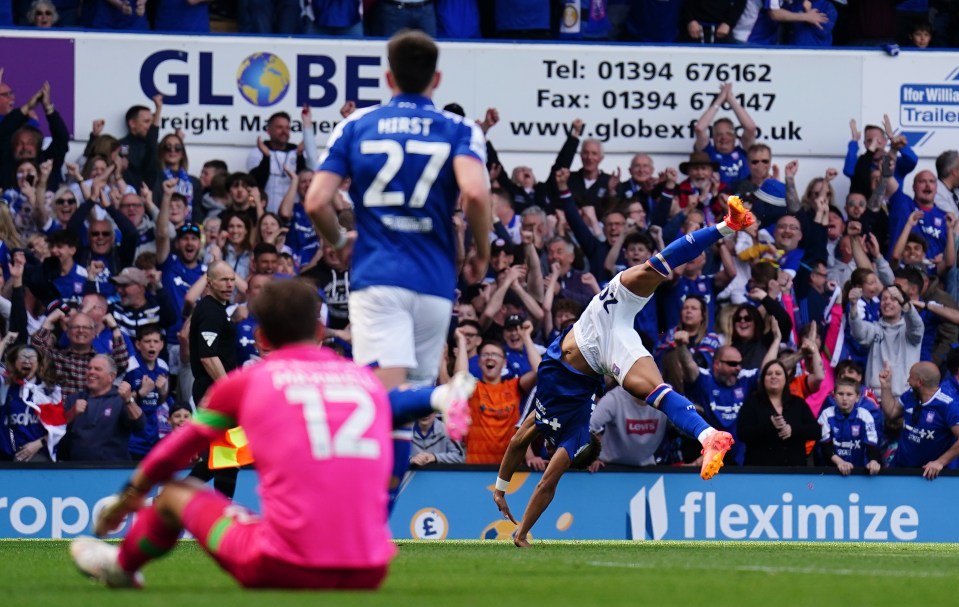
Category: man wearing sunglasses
<point>721,390</point>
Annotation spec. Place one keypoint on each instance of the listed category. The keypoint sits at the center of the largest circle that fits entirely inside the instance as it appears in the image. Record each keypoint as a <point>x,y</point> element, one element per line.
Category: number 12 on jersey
<point>348,440</point>
<point>377,196</point>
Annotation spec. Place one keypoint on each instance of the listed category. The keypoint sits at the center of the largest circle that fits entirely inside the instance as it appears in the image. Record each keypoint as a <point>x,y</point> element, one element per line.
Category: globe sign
<point>263,79</point>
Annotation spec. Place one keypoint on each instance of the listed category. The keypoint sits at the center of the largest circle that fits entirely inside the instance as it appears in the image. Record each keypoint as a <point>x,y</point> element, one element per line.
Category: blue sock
<point>678,409</point>
<point>401,463</point>
<point>687,248</point>
<point>410,403</point>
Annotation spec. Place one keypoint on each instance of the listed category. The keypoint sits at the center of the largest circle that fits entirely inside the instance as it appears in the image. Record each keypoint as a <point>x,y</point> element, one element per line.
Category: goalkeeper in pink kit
<point>319,428</point>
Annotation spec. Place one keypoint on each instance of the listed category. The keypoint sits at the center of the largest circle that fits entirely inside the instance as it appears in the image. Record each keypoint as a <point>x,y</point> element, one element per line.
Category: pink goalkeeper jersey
<point>319,428</point>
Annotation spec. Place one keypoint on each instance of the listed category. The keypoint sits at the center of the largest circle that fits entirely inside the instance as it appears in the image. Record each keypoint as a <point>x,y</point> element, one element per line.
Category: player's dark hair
<point>412,56</point>
<point>287,312</point>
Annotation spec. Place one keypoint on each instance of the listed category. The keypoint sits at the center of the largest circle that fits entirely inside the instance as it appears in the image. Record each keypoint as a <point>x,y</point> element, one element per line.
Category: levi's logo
<point>641,426</point>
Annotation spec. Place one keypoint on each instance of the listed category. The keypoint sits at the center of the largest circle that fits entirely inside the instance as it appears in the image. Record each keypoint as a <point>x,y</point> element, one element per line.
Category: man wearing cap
<point>702,189</point>
<point>517,359</point>
<point>181,270</point>
<point>134,309</point>
<point>723,147</point>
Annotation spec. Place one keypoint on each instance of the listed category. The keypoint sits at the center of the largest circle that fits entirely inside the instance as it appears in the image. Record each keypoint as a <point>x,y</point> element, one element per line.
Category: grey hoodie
<point>897,343</point>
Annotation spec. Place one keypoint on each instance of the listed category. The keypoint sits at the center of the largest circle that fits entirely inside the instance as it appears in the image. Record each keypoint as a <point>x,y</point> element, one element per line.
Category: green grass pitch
<point>459,574</point>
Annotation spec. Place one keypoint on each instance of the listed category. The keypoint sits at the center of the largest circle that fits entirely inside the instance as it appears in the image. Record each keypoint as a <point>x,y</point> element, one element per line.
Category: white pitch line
<point>790,570</point>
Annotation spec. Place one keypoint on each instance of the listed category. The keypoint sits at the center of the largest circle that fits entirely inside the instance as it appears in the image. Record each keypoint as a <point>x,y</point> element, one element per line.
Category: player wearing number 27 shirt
<point>409,163</point>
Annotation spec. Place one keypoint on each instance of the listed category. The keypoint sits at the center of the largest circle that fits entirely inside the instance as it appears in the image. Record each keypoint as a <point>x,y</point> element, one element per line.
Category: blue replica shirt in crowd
<point>932,227</point>
<point>852,349</point>
<point>950,387</point>
<point>701,286</point>
<point>806,34</point>
<point>849,434</point>
<point>302,238</point>
<point>19,423</point>
<point>721,404</point>
<point>155,411</point>
<point>765,30</point>
<point>927,429</point>
<point>177,280</point>
<point>71,286</point>
<point>245,344</point>
<point>870,406</point>
<point>517,362</point>
<point>732,166</point>
<point>400,158</point>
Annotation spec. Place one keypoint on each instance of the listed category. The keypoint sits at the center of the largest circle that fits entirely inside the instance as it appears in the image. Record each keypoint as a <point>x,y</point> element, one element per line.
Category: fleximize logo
<point>707,515</point>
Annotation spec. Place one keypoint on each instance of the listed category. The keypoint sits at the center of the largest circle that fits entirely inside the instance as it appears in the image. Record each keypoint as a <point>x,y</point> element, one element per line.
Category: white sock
<point>724,229</point>
<point>705,434</point>
<point>437,398</point>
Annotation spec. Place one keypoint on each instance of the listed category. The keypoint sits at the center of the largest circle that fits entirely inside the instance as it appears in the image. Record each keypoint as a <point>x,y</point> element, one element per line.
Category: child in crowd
<point>921,35</point>
<point>149,380</point>
<point>849,437</point>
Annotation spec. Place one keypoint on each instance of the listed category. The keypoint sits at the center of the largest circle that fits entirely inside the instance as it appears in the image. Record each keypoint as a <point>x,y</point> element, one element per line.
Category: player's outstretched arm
<point>514,456</point>
<point>166,459</point>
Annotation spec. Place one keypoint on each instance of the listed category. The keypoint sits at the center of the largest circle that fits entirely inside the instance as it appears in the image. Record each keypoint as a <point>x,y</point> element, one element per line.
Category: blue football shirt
<point>400,159</point>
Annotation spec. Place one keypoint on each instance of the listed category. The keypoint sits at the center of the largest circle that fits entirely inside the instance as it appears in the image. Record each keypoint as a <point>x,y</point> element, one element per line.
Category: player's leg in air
<point>643,380</point>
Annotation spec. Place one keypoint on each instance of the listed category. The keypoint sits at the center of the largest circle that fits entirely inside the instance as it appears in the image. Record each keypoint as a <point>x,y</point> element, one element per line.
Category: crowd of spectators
<point>826,333</point>
<point>809,23</point>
